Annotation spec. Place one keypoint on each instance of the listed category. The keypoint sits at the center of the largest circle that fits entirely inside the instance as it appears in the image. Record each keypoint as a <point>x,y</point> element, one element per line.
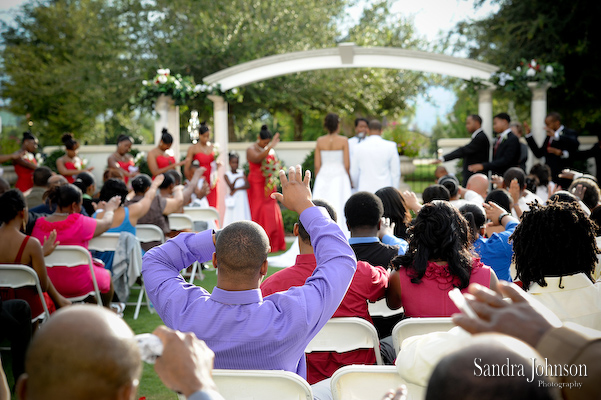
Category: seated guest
<point>440,171</point>
<point>535,325</point>
<point>590,191</point>
<point>468,373</point>
<point>34,196</point>
<point>436,192</point>
<point>369,283</point>
<point>273,332</point>
<point>197,190</point>
<point>496,251</point>
<point>458,195</point>
<point>107,363</point>
<point>522,197</point>
<point>479,184</point>
<point>73,228</point>
<point>439,259</point>
<point>112,173</point>
<point>47,207</point>
<point>546,186</point>
<point>502,198</point>
<point>160,206</point>
<point>363,212</point>
<point>395,210</point>
<point>87,184</point>
<point>555,256</point>
<point>18,248</point>
<point>126,218</point>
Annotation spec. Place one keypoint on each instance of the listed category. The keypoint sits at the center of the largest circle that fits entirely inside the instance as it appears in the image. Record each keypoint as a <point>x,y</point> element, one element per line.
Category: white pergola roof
<point>348,55</point>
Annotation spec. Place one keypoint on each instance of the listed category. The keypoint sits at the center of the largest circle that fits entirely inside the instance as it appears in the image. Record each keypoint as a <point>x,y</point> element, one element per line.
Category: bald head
<point>240,250</point>
<point>440,171</point>
<point>479,184</point>
<point>57,180</point>
<point>82,352</point>
<point>470,373</point>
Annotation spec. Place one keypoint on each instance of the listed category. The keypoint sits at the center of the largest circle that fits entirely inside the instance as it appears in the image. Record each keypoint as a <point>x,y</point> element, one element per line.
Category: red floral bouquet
<point>270,167</point>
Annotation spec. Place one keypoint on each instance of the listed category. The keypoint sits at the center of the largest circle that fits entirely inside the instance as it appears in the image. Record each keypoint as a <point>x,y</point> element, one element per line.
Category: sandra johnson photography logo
<point>536,369</point>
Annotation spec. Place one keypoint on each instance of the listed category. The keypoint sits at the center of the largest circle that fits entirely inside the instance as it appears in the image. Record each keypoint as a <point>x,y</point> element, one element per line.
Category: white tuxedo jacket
<point>375,164</point>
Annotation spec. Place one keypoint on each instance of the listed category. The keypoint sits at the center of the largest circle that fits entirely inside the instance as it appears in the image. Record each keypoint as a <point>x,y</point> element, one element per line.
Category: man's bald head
<point>57,180</point>
<point>462,374</point>
<point>479,184</point>
<point>240,250</point>
<point>82,352</point>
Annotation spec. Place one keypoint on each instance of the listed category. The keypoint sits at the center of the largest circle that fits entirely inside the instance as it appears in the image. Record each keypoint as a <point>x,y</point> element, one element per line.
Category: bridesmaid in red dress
<point>263,209</point>
<point>70,164</point>
<point>204,152</point>
<point>26,164</point>
<point>121,160</point>
<point>158,159</point>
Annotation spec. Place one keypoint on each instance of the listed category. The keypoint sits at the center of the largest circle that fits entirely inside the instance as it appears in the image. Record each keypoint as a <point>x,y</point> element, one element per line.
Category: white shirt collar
<point>477,131</point>
<point>568,282</point>
<point>504,134</point>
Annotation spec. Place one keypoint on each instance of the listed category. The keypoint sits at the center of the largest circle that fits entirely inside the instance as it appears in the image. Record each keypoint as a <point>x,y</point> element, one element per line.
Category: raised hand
<point>296,193</point>
<point>50,243</point>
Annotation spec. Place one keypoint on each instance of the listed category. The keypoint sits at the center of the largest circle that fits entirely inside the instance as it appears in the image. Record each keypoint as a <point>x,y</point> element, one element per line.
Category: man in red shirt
<point>369,283</point>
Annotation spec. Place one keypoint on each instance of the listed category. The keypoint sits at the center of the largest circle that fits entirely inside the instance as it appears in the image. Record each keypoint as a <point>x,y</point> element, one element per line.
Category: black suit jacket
<point>506,156</point>
<point>475,152</point>
<point>567,141</point>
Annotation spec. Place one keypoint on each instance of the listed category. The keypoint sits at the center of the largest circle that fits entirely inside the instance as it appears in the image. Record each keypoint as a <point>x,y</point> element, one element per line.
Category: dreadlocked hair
<point>439,233</point>
<point>554,240</point>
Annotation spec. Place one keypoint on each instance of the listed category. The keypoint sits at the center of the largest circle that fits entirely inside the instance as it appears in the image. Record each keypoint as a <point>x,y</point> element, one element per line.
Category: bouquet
<point>270,167</point>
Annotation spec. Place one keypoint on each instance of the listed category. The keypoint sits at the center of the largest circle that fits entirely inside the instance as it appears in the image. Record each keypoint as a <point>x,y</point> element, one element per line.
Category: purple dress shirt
<point>244,330</point>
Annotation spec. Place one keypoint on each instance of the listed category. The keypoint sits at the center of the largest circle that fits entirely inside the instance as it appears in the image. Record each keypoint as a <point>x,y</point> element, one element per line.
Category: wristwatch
<point>502,216</point>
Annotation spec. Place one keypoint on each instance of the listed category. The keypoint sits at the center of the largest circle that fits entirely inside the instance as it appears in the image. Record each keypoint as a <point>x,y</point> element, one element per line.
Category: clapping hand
<point>386,228</point>
<point>50,243</point>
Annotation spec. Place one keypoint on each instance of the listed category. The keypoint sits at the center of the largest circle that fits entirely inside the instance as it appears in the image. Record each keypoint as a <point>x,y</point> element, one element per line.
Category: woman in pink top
<point>439,259</point>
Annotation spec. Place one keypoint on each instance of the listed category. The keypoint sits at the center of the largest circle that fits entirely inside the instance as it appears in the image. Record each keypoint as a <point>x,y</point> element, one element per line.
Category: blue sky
<point>432,19</point>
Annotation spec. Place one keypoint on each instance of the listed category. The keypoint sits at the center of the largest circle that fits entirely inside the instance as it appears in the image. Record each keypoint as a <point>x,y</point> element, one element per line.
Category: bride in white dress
<point>332,181</point>
<point>332,165</point>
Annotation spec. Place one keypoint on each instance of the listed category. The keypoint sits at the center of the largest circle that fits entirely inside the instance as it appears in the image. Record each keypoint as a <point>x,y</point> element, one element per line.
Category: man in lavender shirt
<point>244,330</point>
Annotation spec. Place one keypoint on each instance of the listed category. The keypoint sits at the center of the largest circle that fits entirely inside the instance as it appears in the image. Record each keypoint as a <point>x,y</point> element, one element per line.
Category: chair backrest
<point>202,213</point>
<point>346,334</point>
<point>418,326</point>
<point>16,276</point>
<point>73,256</point>
<point>180,222</point>
<point>235,384</point>
<point>381,309</point>
<point>149,233</point>
<point>105,242</point>
<point>364,381</point>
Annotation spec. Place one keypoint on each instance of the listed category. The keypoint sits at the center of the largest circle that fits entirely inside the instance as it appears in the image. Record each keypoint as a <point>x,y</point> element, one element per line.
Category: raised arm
<point>139,209</point>
<point>256,156</point>
<point>176,203</point>
<point>104,224</point>
<point>192,184</point>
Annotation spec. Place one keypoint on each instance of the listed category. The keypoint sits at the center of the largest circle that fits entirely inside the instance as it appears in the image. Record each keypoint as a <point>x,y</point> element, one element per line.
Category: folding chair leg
<point>193,273</point>
<point>139,303</point>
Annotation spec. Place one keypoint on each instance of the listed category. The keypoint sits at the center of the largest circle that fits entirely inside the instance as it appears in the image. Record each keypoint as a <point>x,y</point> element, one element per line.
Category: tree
<point>552,31</point>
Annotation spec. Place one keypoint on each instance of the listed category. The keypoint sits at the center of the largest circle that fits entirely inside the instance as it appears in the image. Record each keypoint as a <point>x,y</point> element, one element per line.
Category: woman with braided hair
<point>439,259</point>
<point>555,254</point>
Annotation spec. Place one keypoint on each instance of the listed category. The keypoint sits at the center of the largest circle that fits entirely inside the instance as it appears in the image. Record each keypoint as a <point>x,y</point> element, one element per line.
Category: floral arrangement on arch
<point>408,143</point>
<point>270,167</point>
<point>181,89</point>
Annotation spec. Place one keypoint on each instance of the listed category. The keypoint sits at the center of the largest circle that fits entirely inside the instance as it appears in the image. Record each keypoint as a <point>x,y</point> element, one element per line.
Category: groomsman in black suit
<point>506,148</point>
<point>476,151</point>
<point>559,147</point>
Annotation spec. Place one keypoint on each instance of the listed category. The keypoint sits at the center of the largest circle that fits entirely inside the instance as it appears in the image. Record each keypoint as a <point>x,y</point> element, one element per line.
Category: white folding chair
<point>104,242</point>
<point>418,326</point>
<point>146,233</point>
<point>265,385</point>
<point>73,256</point>
<point>179,222</point>
<point>365,382</point>
<point>16,276</point>
<point>346,334</point>
<point>381,309</point>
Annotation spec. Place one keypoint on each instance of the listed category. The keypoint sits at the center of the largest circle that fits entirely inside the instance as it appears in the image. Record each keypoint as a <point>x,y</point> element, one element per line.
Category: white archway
<point>345,55</point>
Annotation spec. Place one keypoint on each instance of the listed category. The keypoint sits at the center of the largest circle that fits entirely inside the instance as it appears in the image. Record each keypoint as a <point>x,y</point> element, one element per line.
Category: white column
<point>485,109</point>
<point>168,114</point>
<point>538,112</point>
<point>221,137</point>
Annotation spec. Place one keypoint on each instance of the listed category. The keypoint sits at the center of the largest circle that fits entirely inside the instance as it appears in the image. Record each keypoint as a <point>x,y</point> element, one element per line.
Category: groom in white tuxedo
<point>375,163</point>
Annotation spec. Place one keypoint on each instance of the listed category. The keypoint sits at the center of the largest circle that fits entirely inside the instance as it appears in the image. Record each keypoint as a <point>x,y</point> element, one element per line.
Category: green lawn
<point>151,386</point>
